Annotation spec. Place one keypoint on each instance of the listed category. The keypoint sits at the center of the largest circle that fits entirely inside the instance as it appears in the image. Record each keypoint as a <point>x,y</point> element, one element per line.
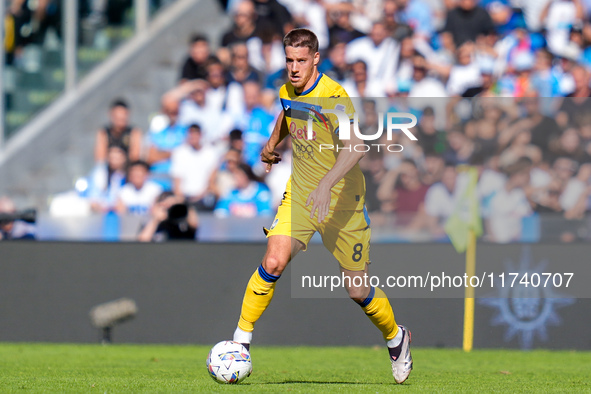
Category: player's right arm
<point>268,155</point>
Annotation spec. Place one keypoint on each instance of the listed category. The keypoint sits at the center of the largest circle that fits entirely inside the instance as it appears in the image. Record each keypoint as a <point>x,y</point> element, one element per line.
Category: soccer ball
<point>229,362</point>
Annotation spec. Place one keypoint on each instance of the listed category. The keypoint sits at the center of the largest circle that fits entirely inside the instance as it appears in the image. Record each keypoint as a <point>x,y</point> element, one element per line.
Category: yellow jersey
<point>313,158</point>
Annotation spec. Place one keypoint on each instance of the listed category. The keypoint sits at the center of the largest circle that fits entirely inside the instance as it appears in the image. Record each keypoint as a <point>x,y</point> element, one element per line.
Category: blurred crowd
<point>502,85</point>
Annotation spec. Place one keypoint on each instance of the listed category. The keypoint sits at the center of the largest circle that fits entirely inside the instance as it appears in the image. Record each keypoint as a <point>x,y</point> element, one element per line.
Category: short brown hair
<point>298,38</point>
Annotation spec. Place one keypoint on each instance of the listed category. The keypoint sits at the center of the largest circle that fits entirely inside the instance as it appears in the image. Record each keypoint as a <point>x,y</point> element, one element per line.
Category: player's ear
<point>316,58</point>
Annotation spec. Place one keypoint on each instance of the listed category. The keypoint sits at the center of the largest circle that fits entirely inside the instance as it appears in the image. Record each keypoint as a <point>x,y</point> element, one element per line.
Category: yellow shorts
<point>345,233</point>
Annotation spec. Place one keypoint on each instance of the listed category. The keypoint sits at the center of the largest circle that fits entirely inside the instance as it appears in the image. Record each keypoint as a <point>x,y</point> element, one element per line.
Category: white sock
<point>241,336</point>
<point>392,342</point>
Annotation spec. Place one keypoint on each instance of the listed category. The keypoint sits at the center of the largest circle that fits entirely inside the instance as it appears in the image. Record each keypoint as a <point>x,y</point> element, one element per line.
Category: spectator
<point>166,133</point>
<point>194,109</point>
<point>547,200</point>
<point>374,171</point>
<point>341,31</point>
<point>139,193</point>
<point>467,22</point>
<point>222,96</point>
<point>171,219</point>
<point>357,84</point>
<point>12,228</point>
<point>311,14</point>
<point>403,192</point>
<point>557,17</point>
<point>490,180</point>
<point>573,199</point>
<point>488,87</point>
<point>418,15</point>
<point>106,181</point>
<point>465,74</point>
<point>244,27</point>
<point>250,198</point>
<point>432,169</point>
<point>519,146</point>
<point>509,205</point>
<point>194,66</point>
<point>222,179</point>
<point>118,133</point>
<point>404,68</point>
<point>380,54</point>
<point>236,141</point>
<point>335,66</point>
<point>422,85</point>
<point>520,83</point>
<point>273,17</point>
<point>577,104</point>
<point>581,81</point>
<point>460,148</point>
<point>257,125</point>
<point>390,18</point>
<point>192,165</point>
<point>486,142</point>
<point>543,128</point>
<point>543,79</point>
<point>240,70</point>
<point>440,201</point>
<point>569,145</point>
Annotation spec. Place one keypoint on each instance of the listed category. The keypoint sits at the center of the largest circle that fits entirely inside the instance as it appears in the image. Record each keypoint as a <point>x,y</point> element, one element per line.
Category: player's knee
<point>274,265</point>
<point>358,294</point>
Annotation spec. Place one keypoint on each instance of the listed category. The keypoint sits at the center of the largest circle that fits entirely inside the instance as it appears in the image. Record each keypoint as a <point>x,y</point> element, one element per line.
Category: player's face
<point>301,65</point>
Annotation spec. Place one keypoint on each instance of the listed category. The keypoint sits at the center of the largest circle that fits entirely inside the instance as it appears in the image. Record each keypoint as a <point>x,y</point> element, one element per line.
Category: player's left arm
<point>348,157</point>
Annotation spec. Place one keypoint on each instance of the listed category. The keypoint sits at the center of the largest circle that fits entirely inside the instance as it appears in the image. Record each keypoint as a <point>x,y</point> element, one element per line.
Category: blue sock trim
<point>266,276</point>
<point>371,295</point>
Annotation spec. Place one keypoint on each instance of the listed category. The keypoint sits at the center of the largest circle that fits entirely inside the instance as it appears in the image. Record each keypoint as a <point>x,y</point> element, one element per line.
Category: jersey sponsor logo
<point>304,152</point>
<point>300,133</point>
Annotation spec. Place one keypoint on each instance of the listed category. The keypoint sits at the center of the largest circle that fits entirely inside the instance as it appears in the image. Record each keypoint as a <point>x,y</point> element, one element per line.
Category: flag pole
<point>469,292</point>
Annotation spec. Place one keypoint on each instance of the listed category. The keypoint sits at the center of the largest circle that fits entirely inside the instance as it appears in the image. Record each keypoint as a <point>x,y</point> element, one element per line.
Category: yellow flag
<point>466,215</point>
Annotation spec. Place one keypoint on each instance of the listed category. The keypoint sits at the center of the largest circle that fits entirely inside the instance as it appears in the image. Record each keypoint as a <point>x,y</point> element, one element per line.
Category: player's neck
<point>310,82</point>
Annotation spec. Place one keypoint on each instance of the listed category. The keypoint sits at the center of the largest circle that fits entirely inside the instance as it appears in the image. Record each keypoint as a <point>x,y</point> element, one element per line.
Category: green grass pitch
<point>159,368</point>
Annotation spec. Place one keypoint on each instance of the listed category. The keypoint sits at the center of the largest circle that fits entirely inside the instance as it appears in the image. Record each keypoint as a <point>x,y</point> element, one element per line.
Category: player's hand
<point>270,157</point>
<point>320,199</point>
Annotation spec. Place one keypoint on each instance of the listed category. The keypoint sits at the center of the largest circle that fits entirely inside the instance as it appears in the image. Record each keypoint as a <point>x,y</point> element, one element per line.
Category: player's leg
<point>377,308</point>
<point>347,238</point>
<point>260,288</point>
<point>373,301</point>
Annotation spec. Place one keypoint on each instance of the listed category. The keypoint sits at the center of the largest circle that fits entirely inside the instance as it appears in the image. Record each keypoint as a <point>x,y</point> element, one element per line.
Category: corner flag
<point>466,215</point>
<point>463,227</point>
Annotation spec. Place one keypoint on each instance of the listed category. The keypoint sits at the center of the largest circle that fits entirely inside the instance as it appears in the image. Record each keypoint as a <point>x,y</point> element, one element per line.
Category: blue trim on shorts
<point>372,293</point>
<point>266,276</point>
<point>366,214</point>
